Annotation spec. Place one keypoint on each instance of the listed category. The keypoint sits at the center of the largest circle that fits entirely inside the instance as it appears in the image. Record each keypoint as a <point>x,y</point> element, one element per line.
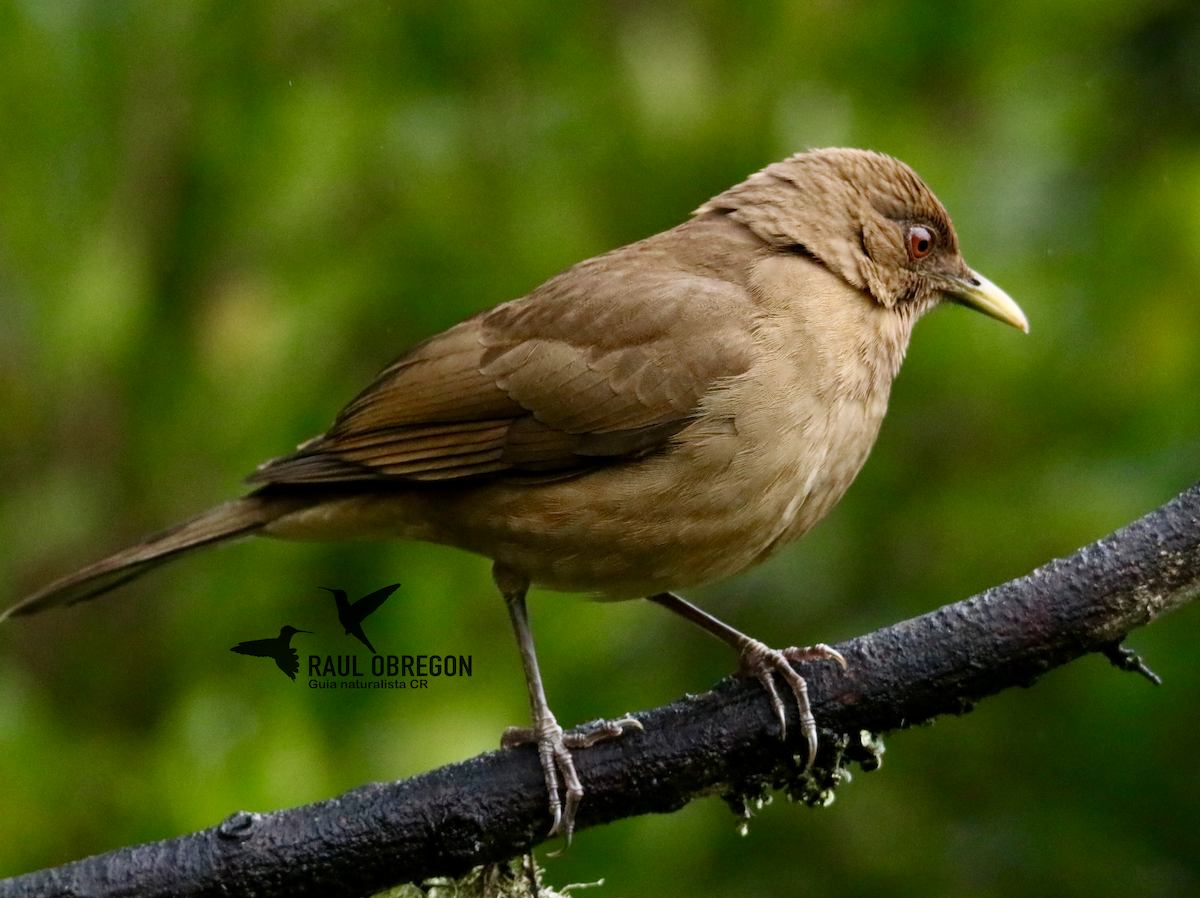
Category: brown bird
<point>658,417</point>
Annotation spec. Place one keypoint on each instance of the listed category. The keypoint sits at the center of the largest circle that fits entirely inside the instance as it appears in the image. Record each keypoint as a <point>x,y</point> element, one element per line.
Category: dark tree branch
<point>493,807</point>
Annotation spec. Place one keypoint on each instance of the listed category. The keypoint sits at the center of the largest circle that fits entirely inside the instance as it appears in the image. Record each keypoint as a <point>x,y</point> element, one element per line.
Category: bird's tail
<point>235,519</point>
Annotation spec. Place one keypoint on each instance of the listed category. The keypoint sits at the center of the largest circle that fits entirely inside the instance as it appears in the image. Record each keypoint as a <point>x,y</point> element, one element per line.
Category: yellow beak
<point>982,295</point>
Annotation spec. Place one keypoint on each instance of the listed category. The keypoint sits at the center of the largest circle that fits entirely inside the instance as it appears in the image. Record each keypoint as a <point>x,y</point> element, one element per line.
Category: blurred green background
<point>218,220</point>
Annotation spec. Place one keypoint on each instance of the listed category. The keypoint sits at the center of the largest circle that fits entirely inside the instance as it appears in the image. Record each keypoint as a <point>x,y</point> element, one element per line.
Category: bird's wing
<point>368,604</point>
<point>602,363</point>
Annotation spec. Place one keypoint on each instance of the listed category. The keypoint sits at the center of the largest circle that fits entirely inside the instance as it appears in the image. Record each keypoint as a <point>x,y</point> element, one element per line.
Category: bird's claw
<point>554,750</point>
<point>588,734</point>
<point>762,662</point>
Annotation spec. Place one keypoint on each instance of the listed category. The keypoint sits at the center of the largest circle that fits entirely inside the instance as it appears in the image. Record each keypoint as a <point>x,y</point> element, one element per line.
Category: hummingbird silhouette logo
<point>279,648</point>
<point>351,615</point>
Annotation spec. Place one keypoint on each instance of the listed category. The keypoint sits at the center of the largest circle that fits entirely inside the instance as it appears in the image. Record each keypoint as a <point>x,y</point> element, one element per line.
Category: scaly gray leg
<point>553,746</point>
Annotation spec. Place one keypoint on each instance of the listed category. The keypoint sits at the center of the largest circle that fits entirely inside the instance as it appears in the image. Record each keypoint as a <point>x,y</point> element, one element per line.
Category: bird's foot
<point>556,759</point>
<point>762,662</point>
<point>554,749</point>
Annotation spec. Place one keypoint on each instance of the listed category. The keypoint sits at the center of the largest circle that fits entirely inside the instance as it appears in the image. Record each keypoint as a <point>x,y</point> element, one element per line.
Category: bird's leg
<point>761,662</point>
<point>555,757</point>
<point>553,745</point>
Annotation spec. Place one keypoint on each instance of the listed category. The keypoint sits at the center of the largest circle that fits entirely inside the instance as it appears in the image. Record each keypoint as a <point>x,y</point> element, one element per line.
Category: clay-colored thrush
<point>658,417</point>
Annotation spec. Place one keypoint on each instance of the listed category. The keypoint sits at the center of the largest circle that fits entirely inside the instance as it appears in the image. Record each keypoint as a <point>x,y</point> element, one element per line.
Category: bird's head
<point>869,218</point>
<point>289,631</point>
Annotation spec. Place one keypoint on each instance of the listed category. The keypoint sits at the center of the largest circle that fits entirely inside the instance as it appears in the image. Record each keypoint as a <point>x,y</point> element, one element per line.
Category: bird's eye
<point>920,241</point>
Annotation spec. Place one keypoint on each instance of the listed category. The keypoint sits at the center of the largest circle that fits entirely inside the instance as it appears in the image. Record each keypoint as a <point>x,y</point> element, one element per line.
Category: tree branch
<point>493,807</point>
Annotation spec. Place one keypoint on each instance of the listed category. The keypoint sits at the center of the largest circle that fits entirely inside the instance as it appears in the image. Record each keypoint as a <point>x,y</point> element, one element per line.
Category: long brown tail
<point>241,517</point>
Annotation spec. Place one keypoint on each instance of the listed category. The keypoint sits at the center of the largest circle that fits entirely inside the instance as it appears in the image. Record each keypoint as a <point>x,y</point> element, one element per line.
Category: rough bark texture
<point>493,807</point>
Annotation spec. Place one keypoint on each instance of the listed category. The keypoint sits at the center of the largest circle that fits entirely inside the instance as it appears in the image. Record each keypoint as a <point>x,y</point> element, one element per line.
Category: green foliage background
<point>218,220</point>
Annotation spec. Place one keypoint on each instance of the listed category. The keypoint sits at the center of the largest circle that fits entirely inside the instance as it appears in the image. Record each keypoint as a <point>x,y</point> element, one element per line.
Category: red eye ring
<point>921,241</point>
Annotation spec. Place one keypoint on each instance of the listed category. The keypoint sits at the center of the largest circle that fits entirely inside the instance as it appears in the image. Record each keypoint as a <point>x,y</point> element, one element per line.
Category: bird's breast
<point>802,441</point>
